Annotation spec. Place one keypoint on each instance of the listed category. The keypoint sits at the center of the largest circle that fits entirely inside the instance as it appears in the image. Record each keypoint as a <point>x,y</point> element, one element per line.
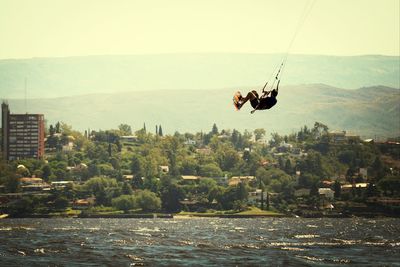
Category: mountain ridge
<point>66,76</point>
<point>357,111</point>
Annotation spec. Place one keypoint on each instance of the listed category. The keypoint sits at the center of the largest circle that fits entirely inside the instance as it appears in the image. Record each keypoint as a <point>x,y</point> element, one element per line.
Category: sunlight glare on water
<point>200,242</point>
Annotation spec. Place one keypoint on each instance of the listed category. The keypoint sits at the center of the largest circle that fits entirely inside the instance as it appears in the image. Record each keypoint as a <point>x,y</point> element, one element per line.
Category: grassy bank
<point>253,212</point>
<point>107,212</point>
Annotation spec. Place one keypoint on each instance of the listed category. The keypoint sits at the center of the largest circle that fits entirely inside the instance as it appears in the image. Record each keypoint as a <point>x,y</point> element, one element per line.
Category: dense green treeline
<point>122,170</point>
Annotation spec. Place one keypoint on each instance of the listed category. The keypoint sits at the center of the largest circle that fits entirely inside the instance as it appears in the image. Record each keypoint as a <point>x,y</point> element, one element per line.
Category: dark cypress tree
<point>214,129</point>
<point>262,187</point>
<point>109,150</point>
<point>337,188</point>
<point>58,130</point>
<point>241,192</point>
<point>160,132</point>
<point>51,130</point>
<point>288,167</point>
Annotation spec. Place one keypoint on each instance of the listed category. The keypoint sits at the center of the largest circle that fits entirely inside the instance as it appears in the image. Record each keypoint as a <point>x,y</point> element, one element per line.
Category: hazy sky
<point>47,28</point>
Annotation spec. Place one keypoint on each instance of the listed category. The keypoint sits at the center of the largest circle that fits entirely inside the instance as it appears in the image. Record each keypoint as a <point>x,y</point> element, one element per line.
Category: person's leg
<point>250,96</point>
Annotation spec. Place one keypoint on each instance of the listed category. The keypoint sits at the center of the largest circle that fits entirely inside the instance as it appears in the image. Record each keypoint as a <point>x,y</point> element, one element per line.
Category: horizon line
<point>196,53</point>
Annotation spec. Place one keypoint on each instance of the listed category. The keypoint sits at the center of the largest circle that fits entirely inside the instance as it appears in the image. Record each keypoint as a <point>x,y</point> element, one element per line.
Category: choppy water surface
<point>200,242</point>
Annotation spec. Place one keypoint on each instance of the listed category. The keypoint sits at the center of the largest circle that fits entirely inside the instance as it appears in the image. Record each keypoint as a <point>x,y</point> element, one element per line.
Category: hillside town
<point>54,170</point>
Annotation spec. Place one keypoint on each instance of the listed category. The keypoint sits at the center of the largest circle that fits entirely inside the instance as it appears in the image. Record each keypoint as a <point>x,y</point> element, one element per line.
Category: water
<point>200,242</point>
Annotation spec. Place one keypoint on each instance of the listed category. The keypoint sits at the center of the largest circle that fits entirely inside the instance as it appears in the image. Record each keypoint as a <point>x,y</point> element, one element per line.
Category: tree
<point>239,205</point>
<point>377,168</point>
<point>206,185</point>
<point>23,171</point>
<point>152,184</point>
<point>109,150</point>
<point>236,139</point>
<point>52,141</point>
<point>347,157</point>
<point>315,164</point>
<point>125,129</point>
<point>242,193</point>
<point>319,130</point>
<point>171,195</point>
<point>21,207</point>
<point>127,189</point>
<point>11,183</point>
<point>189,166</point>
<point>61,203</point>
<point>390,183</point>
<point>214,129</point>
<point>337,189</point>
<point>147,201</point>
<point>371,190</point>
<point>65,129</point>
<point>52,131</point>
<point>103,188</point>
<point>215,193</point>
<point>288,167</point>
<point>160,132</point>
<point>304,134</point>
<point>124,202</point>
<point>95,183</point>
<point>314,190</point>
<point>276,140</point>
<point>227,157</point>
<point>93,170</point>
<point>228,197</point>
<point>307,180</point>
<point>137,166</point>
<point>210,170</point>
<point>58,127</point>
<point>60,173</point>
<point>263,175</point>
<point>247,135</point>
<point>115,163</point>
<point>259,133</point>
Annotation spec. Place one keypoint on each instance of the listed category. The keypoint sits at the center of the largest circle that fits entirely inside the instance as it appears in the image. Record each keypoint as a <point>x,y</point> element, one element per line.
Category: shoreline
<point>148,216</point>
<point>199,215</point>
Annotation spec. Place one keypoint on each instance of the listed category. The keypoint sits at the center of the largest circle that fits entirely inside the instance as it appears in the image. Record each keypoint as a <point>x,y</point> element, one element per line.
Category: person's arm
<point>265,94</point>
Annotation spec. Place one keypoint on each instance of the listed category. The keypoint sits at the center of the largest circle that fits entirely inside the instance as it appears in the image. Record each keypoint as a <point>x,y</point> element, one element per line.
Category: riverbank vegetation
<point>311,172</point>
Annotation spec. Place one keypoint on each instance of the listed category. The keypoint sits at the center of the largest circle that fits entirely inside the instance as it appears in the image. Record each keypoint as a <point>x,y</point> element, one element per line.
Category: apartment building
<point>23,135</point>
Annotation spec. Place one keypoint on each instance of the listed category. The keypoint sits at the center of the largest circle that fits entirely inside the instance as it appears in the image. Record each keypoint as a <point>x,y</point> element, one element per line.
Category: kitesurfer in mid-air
<point>266,101</point>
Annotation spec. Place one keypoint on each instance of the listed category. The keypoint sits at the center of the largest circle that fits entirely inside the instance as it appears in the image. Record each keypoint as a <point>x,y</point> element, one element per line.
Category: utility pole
<point>26,105</point>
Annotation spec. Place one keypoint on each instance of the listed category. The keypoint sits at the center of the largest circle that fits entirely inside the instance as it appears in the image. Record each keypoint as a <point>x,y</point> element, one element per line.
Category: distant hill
<point>366,111</point>
<point>55,77</point>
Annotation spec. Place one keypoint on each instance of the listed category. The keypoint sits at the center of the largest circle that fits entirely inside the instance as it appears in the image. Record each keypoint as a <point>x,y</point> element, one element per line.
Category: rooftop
<point>190,177</point>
